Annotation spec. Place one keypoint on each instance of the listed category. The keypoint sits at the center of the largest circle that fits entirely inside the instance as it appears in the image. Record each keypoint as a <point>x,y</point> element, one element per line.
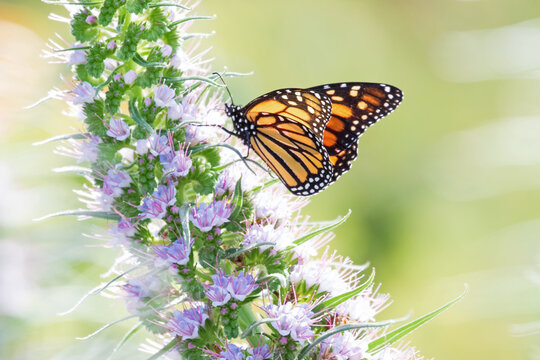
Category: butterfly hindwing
<point>294,153</point>
<point>307,107</point>
<point>355,107</point>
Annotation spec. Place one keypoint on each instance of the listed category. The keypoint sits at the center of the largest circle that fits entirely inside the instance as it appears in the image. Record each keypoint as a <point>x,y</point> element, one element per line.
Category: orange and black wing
<point>355,107</point>
<point>294,153</point>
<point>306,107</point>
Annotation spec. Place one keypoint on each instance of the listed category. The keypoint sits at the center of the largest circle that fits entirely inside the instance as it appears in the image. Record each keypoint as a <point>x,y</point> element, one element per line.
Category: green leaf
<point>184,217</point>
<point>335,301</point>
<point>186,19</point>
<point>176,79</point>
<point>395,335</point>
<point>136,116</point>
<point>126,337</point>
<point>256,324</point>
<point>165,349</point>
<point>339,329</point>
<point>89,213</point>
<point>168,4</point>
<point>237,199</point>
<point>248,248</point>
<point>140,61</point>
<point>198,148</point>
<point>330,227</point>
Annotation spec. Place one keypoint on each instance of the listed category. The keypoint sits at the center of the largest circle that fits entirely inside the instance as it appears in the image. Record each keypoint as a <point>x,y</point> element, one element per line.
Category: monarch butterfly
<point>308,137</point>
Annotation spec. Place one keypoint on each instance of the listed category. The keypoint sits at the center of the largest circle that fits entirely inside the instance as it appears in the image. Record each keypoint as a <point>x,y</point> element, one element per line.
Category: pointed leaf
<point>332,226</point>
<point>89,213</point>
<point>140,61</point>
<point>256,324</point>
<point>184,218</point>
<point>186,19</point>
<point>165,349</point>
<point>248,248</point>
<point>395,335</point>
<point>136,116</point>
<point>237,199</point>
<point>335,301</point>
<point>339,329</point>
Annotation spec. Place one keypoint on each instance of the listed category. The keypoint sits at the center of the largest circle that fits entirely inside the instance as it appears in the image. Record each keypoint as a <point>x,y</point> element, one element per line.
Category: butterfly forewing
<point>294,153</point>
<point>309,108</point>
<point>355,107</point>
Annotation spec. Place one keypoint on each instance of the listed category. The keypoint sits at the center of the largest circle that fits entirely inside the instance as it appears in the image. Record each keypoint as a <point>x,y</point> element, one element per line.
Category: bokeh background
<point>445,191</point>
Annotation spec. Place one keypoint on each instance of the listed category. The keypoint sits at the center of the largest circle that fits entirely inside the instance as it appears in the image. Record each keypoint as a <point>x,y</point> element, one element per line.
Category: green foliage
<point>80,29</point>
<point>107,11</point>
<point>94,118</point>
<point>113,96</point>
<point>137,6</point>
<point>158,25</point>
<point>95,57</point>
<point>131,38</point>
<point>152,74</point>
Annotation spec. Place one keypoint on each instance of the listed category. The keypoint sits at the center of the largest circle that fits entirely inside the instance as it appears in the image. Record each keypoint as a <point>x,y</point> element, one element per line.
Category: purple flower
<point>186,323</point>
<point>196,314</point>
<point>259,353</point>
<point>91,19</point>
<point>158,144</point>
<point>225,182</point>
<point>130,77</point>
<point>218,295</point>
<point>84,93</point>
<point>152,208</point>
<point>205,217</point>
<point>118,129</point>
<point>177,253</point>
<point>175,111</point>
<point>343,346</point>
<point>258,233</point>
<point>232,352</point>
<point>241,286</point>
<point>176,164</point>
<point>123,230</point>
<point>166,194</point>
<point>166,50</point>
<point>111,45</point>
<point>136,290</point>
<point>78,57</point>
<point>114,181</point>
<point>183,328</point>
<point>89,149</point>
<point>164,96</point>
<point>142,146</point>
<point>291,320</point>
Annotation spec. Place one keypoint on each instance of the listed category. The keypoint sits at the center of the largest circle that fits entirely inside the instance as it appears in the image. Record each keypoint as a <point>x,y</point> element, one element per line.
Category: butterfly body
<point>308,137</point>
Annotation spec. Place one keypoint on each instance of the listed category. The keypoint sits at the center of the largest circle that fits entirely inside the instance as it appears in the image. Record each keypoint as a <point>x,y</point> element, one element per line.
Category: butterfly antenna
<point>226,87</point>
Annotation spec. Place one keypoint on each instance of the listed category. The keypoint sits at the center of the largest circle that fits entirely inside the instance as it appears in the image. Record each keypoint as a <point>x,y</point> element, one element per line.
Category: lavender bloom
<point>178,253</point>
<point>175,111</point>
<point>217,294</point>
<point>130,77</point>
<point>164,96</point>
<point>111,45</point>
<point>197,314</point>
<point>115,181</point>
<point>122,231</point>
<point>78,57</point>
<point>343,346</point>
<point>118,129</point>
<point>259,353</point>
<point>166,50</point>
<point>206,217</point>
<point>142,146</point>
<point>225,182</point>
<point>232,352</point>
<point>176,164</point>
<point>84,93</point>
<point>166,194</point>
<point>241,286</point>
<point>89,149</point>
<point>291,320</point>
<point>183,327</point>
<point>158,144</point>
<point>152,208</point>
<point>136,290</point>
<point>258,233</point>
<point>91,19</point>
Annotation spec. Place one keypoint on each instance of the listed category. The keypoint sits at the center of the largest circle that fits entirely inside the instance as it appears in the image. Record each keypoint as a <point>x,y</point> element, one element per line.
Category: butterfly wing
<point>306,107</point>
<point>355,107</point>
<point>294,153</point>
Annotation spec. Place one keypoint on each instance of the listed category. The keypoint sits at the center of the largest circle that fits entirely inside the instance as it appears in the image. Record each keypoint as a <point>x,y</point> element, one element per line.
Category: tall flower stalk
<point>218,262</point>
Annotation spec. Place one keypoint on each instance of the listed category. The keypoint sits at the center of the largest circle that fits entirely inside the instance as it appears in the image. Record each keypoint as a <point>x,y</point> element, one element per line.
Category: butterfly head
<point>241,125</point>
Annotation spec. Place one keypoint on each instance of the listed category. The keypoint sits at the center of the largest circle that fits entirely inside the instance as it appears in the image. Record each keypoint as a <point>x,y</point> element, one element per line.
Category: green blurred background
<point>446,191</point>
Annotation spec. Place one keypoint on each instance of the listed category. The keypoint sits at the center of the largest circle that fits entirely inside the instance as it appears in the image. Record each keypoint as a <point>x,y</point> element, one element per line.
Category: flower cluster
<point>218,261</point>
